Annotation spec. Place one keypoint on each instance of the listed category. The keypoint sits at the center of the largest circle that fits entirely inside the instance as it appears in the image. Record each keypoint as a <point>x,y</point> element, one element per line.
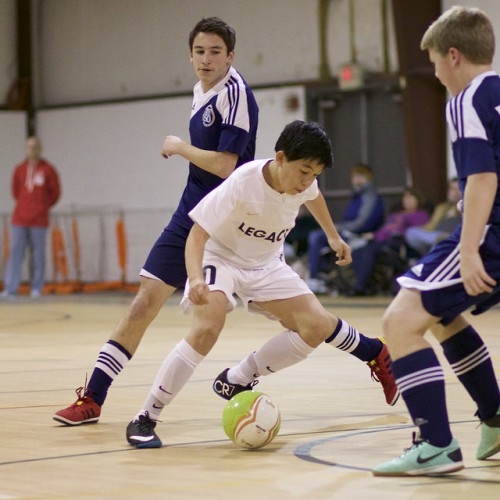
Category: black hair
<point>218,27</point>
<point>305,140</point>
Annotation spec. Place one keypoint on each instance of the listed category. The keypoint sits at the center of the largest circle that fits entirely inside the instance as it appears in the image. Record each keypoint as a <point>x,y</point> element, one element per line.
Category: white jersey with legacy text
<point>246,219</point>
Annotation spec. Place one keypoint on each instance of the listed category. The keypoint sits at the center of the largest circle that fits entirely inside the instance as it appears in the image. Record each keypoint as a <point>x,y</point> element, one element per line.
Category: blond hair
<point>467,29</point>
<point>362,169</point>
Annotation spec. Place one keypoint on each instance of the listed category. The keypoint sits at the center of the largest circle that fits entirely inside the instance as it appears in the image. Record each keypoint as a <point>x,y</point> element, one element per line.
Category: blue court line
<point>305,452</point>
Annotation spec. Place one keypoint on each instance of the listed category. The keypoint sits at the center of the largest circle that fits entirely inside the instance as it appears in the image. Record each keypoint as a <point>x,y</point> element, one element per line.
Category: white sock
<point>244,372</point>
<point>283,350</point>
<point>174,372</point>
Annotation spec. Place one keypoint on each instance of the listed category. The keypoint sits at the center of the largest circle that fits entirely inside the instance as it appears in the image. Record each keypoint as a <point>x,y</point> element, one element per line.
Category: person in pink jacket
<point>35,187</point>
<point>390,235</point>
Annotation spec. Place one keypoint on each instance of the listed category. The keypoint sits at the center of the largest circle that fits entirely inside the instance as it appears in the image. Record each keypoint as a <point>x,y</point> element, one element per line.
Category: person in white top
<point>236,247</point>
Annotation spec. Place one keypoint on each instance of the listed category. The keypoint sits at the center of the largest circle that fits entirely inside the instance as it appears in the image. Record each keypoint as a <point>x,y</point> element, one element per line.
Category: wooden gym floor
<point>336,425</point>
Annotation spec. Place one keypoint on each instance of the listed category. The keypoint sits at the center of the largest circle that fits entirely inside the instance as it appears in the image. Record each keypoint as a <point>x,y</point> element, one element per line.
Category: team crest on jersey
<point>208,117</point>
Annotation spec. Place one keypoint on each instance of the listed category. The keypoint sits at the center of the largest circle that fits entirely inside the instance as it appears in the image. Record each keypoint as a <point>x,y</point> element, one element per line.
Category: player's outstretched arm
<point>195,246</point>
<point>320,212</point>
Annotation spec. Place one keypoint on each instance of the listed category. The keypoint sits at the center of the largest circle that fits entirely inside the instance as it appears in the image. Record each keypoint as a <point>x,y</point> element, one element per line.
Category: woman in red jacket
<point>35,187</point>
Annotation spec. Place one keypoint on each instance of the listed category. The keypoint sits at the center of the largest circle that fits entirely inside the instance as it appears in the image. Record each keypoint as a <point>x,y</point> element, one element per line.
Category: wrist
<point>196,281</point>
<point>334,237</point>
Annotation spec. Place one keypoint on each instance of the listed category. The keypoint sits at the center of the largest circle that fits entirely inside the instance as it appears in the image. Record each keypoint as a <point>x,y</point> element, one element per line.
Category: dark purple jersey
<point>222,119</point>
<point>473,118</point>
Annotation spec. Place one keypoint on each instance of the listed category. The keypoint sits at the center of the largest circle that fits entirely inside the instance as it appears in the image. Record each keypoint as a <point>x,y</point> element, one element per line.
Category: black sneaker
<point>223,388</point>
<point>141,434</point>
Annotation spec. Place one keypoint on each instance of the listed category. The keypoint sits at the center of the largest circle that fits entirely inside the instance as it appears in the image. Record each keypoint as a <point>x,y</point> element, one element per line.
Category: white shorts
<point>275,281</point>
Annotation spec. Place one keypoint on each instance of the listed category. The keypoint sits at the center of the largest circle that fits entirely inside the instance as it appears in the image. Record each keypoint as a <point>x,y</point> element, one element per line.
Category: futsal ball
<point>251,419</point>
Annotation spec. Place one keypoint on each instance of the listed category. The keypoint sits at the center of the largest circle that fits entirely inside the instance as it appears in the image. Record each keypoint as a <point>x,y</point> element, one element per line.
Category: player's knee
<point>391,324</point>
<point>318,328</point>
<point>203,337</point>
<point>144,307</point>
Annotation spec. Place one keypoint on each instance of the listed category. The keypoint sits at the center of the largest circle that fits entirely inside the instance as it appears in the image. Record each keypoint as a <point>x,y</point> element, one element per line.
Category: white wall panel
<point>107,49</point>
<point>275,113</point>
<point>110,155</point>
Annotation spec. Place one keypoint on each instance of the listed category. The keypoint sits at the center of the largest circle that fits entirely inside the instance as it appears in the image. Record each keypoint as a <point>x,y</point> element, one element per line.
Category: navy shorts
<point>166,259</point>
<point>437,277</point>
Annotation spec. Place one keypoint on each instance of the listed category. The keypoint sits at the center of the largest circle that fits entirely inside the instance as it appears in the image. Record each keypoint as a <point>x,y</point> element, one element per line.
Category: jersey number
<point>210,272</point>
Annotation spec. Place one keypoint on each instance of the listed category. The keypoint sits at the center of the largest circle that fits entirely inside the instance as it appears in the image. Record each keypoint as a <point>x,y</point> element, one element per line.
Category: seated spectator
<point>445,218</point>
<point>296,242</point>
<point>364,213</point>
<point>389,236</point>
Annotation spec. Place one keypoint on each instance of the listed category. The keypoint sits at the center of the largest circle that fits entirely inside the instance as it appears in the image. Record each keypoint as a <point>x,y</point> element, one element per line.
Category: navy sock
<point>110,362</point>
<point>98,386</point>
<point>420,379</point>
<point>471,362</point>
<point>346,338</point>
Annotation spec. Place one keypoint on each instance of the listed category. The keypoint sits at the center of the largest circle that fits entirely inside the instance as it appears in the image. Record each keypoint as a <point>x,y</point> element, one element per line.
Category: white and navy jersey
<point>473,118</point>
<point>222,119</point>
<point>474,122</point>
<point>246,219</point>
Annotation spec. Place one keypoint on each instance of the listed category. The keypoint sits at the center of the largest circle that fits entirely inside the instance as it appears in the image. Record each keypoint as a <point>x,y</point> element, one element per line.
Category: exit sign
<point>351,76</point>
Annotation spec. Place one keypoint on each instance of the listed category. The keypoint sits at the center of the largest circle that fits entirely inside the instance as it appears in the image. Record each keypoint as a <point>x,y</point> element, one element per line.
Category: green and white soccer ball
<point>251,419</point>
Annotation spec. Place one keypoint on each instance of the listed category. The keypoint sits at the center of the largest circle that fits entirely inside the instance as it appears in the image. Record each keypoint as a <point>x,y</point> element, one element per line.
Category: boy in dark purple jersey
<point>222,128</point>
<point>460,272</point>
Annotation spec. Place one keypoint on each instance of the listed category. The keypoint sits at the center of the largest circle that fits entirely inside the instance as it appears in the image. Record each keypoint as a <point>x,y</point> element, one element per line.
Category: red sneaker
<point>381,368</point>
<point>83,411</point>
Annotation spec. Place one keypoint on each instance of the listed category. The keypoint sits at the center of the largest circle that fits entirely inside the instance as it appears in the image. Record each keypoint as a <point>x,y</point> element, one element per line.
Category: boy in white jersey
<point>460,272</point>
<point>235,246</point>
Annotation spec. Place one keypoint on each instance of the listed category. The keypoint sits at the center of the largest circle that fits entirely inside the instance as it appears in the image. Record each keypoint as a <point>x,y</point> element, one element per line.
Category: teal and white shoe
<point>490,437</point>
<point>423,458</point>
